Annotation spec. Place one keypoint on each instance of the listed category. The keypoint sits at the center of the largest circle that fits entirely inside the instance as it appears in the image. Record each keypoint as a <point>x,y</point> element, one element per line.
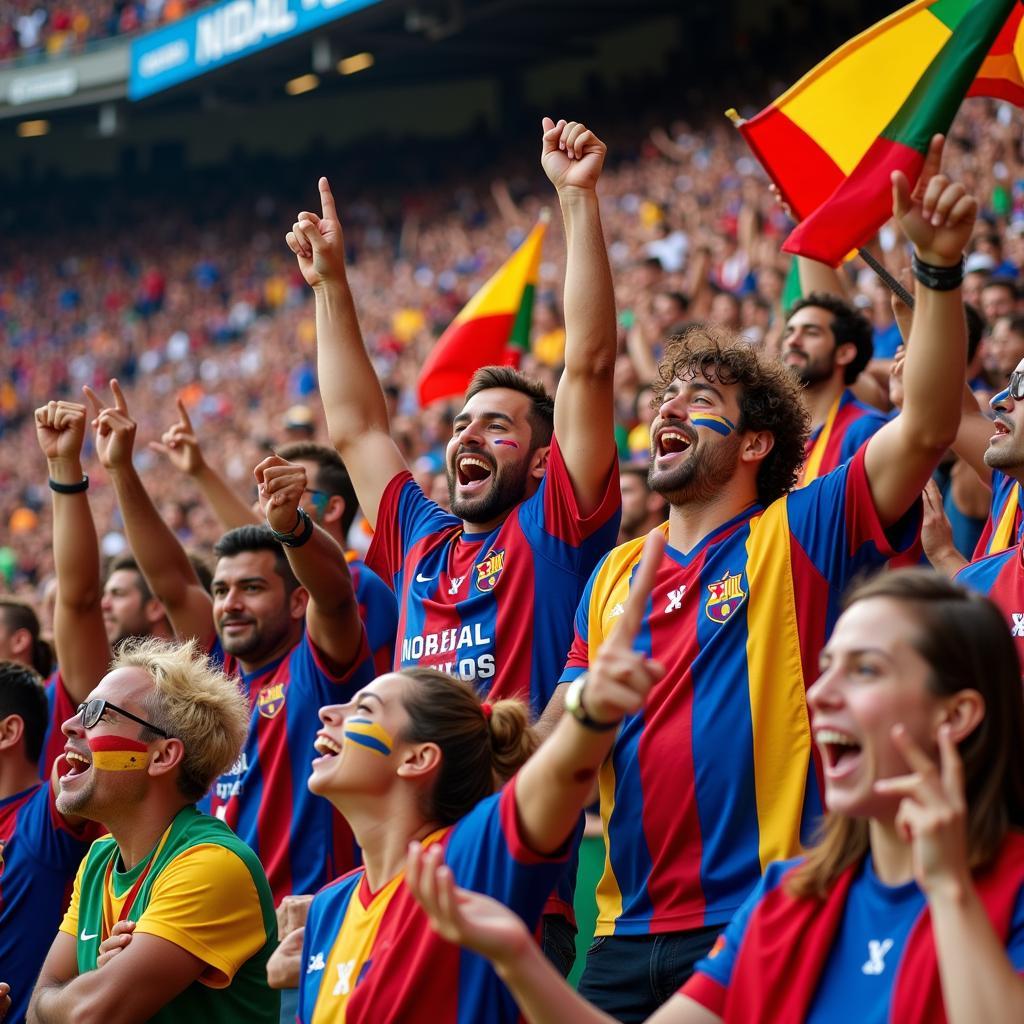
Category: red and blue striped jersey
<point>39,855</point>
<point>849,424</point>
<point>867,947</point>
<point>494,608</point>
<point>1000,577</point>
<point>301,841</point>
<point>372,957</point>
<point>378,609</point>
<point>715,778</point>
<point>1003,528</point>
<point>60,708</point>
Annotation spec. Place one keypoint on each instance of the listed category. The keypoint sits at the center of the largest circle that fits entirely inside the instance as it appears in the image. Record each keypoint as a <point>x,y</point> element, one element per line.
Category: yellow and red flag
<point>492,328</point>
<point>831,142</point>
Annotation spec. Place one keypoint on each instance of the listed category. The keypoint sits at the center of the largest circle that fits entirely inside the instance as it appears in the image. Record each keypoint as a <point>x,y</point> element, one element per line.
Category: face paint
<point>508,441</point>
<point>117,754</point>
<point>368,734</point>
<point>719,424</point>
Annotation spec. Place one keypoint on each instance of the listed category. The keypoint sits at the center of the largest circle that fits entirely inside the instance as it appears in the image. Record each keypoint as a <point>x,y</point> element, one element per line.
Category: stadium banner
<point>226,32</point>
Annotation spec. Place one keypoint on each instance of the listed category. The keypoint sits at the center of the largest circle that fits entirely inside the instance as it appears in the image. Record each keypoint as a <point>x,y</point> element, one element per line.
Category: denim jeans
<point>559,942</point>
<point>630,976</point>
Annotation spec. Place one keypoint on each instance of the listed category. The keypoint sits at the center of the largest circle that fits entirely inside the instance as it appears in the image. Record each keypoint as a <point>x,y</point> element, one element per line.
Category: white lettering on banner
<point>239,25</point>
<point>425,650</point>
<point>163,58</point>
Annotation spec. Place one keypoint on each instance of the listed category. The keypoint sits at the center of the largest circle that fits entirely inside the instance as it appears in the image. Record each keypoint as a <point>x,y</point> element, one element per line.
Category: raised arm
<point>572,157</point>
<point>80,637</point>
<point>180,445</point>
<point>553,787</point>
<point>937,218</point>
<point>319,564</point>
<point>159,554</point>
<point>357,416</point>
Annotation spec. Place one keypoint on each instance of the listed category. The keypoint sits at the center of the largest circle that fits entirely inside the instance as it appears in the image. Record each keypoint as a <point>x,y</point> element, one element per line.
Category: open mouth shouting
<point>841,754</point>
<point>670,444</point>
<point>472,472</point>
<point>73,766</point>
<point>1002,429</point>
<point>325,747</point>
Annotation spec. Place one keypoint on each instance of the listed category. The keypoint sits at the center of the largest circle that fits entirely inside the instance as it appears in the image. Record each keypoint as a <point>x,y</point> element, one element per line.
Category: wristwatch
<point>574,705</point>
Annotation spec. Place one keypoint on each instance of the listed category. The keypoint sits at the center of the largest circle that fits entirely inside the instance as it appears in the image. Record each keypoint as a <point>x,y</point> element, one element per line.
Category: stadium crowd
<point>790,427</point>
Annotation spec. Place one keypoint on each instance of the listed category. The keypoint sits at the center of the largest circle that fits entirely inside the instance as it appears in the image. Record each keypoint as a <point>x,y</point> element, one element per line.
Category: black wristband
<point>82,485</point>
<point>939,279</point>
<point>299,534</point>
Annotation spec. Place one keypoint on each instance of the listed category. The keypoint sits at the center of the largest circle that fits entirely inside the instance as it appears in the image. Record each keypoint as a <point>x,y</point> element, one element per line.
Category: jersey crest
<point>270,700</point>
<point>489,570</point>
<point>724,597</point>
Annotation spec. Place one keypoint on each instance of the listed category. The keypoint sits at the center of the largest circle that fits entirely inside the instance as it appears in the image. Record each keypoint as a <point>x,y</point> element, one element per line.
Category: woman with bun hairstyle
<point>910,906</point>
<point>415,757</point>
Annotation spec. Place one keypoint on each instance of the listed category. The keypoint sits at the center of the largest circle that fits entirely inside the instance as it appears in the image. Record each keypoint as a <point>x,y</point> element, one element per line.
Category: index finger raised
<point>327,200</point>
<point>119,400</point>
<point>640,589</point>
<point>183,413</point>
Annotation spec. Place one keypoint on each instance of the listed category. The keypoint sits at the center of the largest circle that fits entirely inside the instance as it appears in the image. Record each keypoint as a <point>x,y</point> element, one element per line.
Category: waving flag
<point>492,328</point>
<point>831,142</point>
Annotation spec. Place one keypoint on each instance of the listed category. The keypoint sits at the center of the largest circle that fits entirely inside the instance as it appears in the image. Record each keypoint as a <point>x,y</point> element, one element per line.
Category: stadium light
<point>33,129</point>
<point>304,83</point>
<point>357,62</point>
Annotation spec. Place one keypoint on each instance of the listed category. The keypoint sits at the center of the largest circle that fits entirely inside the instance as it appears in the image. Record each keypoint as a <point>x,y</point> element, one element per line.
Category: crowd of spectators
<point>182,285</point>
<point>53,28</point>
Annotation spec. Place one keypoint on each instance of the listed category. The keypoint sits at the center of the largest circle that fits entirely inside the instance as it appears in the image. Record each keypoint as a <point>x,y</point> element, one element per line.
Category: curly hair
<point>769,397</point>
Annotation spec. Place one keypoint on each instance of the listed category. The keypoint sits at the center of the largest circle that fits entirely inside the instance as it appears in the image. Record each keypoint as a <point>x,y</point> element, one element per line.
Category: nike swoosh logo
<point>420,578</point>
<point>86,938</point>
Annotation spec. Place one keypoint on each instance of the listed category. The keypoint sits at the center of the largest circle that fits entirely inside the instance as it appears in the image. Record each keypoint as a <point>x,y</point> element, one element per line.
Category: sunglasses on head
<point>93,710</point>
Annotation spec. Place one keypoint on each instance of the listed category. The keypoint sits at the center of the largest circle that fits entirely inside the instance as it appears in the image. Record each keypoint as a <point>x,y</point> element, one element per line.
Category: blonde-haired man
<point>171,917</point>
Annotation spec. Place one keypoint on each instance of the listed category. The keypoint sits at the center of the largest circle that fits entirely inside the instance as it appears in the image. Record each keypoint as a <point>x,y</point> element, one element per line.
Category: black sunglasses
<point>92,711</point>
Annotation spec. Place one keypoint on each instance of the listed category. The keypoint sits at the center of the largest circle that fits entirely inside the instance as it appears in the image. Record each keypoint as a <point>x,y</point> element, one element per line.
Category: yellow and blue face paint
<point>117,754</point>
<point>719,424</point>
<point>368,733</point>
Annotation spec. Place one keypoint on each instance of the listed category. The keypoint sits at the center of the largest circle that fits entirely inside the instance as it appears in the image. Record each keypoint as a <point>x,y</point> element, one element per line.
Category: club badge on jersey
<point>270,700</point>
<point>725,597</point>
<point>489,570</point>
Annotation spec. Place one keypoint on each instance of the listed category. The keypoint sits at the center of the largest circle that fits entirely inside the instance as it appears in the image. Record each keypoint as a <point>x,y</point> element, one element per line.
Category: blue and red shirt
<point>494,608</point>
<point>378,609</point>
<point>1003,528</point>
<point>1000,577</point>
<point>372,957</point>
<point>849,424</point>
<point>60,708</point>
<point>866,945</point>
<point>39,855</point>
<point>300,839</point>
<point>716,777</point>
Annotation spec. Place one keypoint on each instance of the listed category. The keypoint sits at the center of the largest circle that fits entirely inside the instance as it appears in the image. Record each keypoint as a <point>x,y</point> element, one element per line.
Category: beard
<point>1006,456</point>
<point>256,642</point>
<point>508,489</point>
<point>700,476</point>
<point>813,371</point>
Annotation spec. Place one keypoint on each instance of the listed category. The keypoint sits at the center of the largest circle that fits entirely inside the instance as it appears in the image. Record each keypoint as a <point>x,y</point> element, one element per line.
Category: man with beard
<point>826,344</point>
<point>171,918</point>
<point>283,617</point>
<point>487,591</point>
<point>1000,576</point>
<point>715,777</point>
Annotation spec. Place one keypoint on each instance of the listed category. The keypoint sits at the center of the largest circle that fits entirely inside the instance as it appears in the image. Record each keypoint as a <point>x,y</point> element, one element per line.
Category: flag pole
<point>887,279</point>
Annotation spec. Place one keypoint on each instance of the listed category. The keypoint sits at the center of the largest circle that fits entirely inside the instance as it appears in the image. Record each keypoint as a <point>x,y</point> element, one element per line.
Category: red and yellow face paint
<point>118,754</point>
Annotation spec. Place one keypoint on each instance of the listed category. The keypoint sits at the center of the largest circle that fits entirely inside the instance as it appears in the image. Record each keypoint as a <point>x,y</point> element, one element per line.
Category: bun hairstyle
<point>482,744</point>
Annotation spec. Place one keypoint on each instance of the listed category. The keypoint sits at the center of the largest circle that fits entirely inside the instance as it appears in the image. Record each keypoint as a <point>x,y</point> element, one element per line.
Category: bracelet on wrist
<point>939,279</point>
<point>59,488</point>
<point>299,534</point>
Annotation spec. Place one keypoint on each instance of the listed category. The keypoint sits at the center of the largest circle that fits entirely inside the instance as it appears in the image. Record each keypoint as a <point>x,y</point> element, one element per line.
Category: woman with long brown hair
<point>910,907</point>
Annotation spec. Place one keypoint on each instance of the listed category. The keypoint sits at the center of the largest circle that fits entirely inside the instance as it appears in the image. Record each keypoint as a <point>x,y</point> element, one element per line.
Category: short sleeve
<point>554,509</point>
<point>585,638</point>
<point>487,852</point>
<point>70,923</point>
<point>842,546</point>
<point>378,608</point>
<point>405,516</point>
<point>310,670</point>
<point>206,902</point>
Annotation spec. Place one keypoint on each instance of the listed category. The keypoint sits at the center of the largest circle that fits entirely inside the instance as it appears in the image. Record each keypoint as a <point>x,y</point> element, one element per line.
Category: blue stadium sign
<point>223,33</point>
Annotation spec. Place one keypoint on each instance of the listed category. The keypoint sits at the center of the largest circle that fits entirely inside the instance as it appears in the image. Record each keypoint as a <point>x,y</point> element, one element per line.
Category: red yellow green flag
<point>831,142</point>
<point>492,328</point>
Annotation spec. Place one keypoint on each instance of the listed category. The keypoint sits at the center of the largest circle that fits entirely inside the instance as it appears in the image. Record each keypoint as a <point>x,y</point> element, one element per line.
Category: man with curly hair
<point>171,918</point>
<point>714,777</point>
